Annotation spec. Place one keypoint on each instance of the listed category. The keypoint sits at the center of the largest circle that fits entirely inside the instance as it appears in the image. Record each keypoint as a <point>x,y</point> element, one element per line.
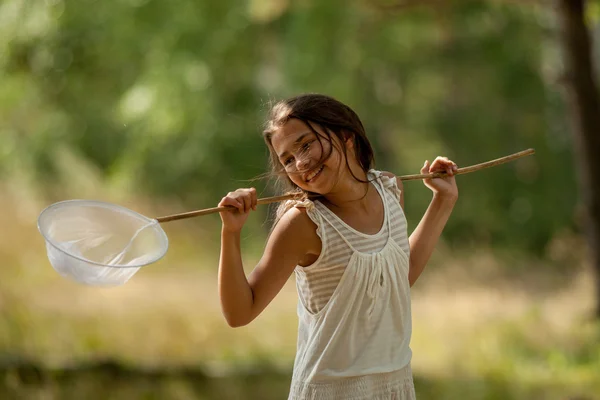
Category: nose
<point>302,163</point>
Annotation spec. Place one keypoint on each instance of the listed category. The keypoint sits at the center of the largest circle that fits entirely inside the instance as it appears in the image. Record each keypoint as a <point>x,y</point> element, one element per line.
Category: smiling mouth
<point>313,174</point>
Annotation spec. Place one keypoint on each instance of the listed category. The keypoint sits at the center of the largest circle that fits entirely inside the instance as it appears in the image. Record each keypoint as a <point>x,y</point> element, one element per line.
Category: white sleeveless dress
<point>354,308</point>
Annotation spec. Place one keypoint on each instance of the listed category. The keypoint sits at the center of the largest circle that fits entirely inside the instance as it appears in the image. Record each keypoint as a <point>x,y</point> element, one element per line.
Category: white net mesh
<point>99,243</point>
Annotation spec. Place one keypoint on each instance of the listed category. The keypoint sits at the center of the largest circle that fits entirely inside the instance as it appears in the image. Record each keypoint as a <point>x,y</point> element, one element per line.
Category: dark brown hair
<point>334,117</point>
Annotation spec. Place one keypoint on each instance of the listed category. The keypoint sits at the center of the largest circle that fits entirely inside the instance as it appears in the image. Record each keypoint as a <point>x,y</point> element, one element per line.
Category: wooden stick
<point>472,168</point>
<point>275,199</point>
<point>265,200</point>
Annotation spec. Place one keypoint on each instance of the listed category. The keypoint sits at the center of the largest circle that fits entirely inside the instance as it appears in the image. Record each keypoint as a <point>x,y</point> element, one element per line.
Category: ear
<point>349,140</point>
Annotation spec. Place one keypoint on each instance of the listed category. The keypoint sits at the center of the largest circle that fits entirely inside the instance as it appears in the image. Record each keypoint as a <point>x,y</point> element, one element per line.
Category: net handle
<point>275,199</point>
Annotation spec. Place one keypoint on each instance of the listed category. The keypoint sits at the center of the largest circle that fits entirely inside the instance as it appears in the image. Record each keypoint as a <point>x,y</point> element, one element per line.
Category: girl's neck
<point>350,193</point>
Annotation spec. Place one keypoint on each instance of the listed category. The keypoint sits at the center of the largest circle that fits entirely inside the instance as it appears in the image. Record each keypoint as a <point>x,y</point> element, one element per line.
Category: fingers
<point>243,200</point>
<point>253,199</point>
<point>443,164</point>
<point>230,201</point>
<point>425,168</point>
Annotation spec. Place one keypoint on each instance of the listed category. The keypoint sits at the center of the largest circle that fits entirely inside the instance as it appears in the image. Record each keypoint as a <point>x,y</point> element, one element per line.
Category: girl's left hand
<point>445,187</point>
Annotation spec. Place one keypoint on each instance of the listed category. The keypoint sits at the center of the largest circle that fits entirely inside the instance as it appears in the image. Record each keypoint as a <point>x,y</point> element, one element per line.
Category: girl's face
<point>300,152</point>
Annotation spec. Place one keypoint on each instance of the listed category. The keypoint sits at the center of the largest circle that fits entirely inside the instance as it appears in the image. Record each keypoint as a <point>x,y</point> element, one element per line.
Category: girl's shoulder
<point>388,179</point>
<point>296,224</point>
<point>391,182</point>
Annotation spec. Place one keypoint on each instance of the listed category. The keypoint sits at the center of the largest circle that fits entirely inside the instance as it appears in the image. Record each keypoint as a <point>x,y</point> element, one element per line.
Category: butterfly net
<point>97,243</point>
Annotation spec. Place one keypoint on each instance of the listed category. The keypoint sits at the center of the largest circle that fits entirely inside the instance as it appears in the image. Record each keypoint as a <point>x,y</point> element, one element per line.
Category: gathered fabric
<point>396,385</point>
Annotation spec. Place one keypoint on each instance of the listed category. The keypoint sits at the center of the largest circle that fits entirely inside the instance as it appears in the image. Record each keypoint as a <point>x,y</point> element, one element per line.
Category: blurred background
<point>158,106</point>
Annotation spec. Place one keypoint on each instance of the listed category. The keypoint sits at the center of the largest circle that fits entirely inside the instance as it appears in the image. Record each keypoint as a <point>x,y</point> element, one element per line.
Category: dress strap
<point>384,182</point>
<point>386,206</point>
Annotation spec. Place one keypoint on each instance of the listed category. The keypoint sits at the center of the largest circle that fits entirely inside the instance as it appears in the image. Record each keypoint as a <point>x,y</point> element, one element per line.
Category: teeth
<point>310,176</point>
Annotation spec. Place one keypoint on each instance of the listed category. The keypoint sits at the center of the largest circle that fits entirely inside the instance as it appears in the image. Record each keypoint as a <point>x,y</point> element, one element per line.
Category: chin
<point>321,189</point>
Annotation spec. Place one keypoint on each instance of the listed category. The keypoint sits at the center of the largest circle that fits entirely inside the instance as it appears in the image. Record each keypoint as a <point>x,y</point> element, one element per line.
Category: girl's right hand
<point>243,200</point>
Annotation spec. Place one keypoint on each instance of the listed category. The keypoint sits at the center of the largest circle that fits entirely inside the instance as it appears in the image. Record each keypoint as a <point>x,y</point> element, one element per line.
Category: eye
<point>306,146</point>
<point>288,161</point>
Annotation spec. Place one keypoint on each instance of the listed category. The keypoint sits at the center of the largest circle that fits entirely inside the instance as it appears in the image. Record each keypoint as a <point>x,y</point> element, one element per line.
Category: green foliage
<point>167,98</point>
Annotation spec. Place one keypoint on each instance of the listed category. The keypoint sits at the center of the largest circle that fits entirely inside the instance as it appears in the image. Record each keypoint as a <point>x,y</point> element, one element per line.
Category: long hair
<point>334,117</point>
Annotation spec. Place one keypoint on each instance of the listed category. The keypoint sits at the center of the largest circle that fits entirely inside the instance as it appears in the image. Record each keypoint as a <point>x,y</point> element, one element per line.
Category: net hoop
<point>106,205</point>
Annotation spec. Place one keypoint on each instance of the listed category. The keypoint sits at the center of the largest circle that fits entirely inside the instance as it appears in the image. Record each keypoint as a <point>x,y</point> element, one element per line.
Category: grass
<point>478,332</point>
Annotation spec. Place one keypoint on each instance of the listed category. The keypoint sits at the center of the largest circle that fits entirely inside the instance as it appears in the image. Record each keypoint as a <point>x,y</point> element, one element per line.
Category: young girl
<point>347,244</point>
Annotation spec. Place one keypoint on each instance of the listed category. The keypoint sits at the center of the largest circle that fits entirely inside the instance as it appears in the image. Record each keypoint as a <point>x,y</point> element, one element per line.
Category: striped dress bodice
<point>317,282</point>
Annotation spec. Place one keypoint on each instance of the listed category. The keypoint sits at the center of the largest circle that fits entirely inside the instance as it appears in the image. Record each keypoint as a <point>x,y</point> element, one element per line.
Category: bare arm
<point>243,299</point>
<point>425,236</point>
<point>427,233</point>
<point>234,291</point>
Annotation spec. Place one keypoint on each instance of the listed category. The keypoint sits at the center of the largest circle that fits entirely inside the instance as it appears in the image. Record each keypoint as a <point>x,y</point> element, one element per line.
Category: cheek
<point>322,150</point>
<point>334,154</point>
<point>315,151</point>
<point>296,180</point>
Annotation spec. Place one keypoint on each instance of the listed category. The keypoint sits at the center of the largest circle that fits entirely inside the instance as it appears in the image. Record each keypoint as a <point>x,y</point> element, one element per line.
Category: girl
<point>347,244</point>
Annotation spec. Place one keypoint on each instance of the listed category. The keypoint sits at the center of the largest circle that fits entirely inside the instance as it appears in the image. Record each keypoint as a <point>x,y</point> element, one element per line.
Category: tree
<point>584,103</point>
